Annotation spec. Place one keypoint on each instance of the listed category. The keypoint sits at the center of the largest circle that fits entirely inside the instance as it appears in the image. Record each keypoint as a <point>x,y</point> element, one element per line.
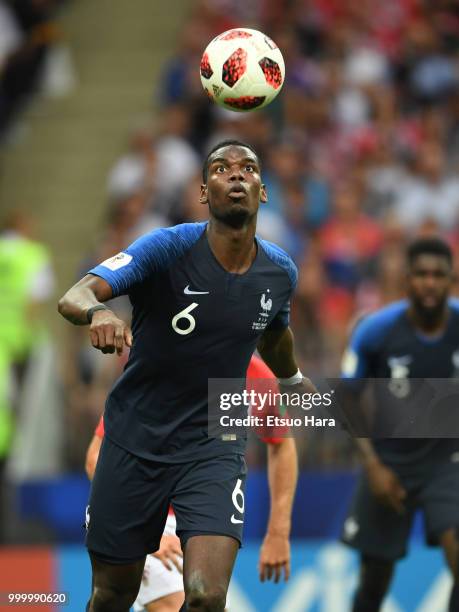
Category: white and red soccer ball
<point>242,70</point>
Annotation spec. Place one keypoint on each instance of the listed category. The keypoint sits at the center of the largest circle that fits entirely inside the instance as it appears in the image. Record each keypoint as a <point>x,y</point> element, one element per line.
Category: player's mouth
<point>237,192</point>
<point>430,301</point>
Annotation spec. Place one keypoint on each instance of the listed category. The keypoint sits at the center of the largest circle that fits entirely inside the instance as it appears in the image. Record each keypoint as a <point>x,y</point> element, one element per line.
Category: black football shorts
<point>130,497</point>
<point>432,487</point>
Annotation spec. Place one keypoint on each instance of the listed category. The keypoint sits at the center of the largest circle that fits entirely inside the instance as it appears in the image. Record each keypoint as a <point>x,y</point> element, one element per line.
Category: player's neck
<point>429,325</point>
<point>234,249</point>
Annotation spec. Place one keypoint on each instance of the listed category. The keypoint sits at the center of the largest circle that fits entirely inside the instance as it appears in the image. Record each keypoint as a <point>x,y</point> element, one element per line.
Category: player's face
<point>234,188</point>
<point>429,283</point>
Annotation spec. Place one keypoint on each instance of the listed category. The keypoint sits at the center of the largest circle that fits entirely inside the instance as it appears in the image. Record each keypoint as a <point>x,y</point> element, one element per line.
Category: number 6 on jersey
<point>185,314</point>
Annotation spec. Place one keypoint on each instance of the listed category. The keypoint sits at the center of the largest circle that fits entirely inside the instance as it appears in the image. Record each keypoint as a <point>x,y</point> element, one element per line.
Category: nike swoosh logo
<point>235,520</point>
<point>188,291</point>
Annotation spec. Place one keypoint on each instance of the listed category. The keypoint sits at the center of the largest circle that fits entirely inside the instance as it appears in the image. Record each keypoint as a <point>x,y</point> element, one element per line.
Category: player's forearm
<point>90,291</point>
<point>367,452</point>
<point>276,350</point>
<point>282,476</point>
<point>74,305</point>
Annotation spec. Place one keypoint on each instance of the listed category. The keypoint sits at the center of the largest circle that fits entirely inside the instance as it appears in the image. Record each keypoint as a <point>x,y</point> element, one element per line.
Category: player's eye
<point>220,169</point>
<point>250,168</point>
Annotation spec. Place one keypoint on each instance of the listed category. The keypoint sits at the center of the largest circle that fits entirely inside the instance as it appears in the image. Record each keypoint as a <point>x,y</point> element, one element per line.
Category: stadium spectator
<point>31,32</point>
<point>429,192</point>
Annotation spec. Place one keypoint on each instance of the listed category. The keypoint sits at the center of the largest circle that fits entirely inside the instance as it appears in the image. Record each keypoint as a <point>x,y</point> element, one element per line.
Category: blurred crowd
<point>360,153</point>
<point>27,32</point>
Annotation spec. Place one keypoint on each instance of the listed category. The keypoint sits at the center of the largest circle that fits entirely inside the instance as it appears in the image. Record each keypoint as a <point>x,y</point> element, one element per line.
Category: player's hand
<point>108,333</point>
<point>274,558</point>
<point>386,486</point>
<point>170,552</point>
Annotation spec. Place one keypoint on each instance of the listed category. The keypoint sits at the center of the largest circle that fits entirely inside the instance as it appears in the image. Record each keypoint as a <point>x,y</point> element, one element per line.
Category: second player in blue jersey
<point>408,345</point>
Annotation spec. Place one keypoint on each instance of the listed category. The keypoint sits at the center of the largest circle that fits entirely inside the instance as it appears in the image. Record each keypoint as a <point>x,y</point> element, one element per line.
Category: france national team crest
<point>399,372</point>
<point>266,305</point>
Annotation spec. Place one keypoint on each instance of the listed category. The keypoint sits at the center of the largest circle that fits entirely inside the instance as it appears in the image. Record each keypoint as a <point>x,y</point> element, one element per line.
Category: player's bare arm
<point>92,455</point>
<point>276,348</point>
<point>282,473</point>
<point>83,305</point>
<point>383,481</point>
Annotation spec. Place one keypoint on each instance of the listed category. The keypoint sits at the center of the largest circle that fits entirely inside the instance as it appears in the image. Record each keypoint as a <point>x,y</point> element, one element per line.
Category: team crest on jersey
<point>399,372</point>
<point>117,262</point>
<point>266,305</point>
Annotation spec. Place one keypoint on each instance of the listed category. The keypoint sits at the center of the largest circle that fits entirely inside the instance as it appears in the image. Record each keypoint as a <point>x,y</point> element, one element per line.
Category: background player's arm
<point>170,553</point>
<point>383,481</point>
<point>367,452</point>
<point>92,455</point>
<point>282,474</point>
<point>108,332</point>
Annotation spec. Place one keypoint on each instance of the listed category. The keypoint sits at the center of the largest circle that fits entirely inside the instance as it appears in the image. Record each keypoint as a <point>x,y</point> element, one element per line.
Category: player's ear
<point>203,195</point>
<point>263,194</point>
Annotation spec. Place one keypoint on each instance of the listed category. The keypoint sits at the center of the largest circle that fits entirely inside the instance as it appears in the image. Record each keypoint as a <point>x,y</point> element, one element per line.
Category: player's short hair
<point>429,246</point>
<point>232,142</point>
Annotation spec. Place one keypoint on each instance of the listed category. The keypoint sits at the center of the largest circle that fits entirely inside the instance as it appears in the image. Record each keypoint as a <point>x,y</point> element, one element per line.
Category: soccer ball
<point>242,70</point>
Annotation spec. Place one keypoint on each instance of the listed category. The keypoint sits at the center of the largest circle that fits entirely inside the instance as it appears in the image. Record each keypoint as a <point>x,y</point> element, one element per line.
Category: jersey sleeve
<point>99,431</point>
<point>355,369</point>
<point>367,340</point>
<point>133,265</point>
<point>355,361</point>
<point>147,255</point>
<point>282,318</point>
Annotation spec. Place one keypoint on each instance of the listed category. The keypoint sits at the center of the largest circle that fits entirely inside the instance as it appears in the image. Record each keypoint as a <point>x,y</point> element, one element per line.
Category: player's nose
<point>431,282</point>
<point>236,174</point>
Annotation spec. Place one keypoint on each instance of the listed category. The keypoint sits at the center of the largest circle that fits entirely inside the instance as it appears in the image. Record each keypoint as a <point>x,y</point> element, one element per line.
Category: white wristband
<point>292,380</point>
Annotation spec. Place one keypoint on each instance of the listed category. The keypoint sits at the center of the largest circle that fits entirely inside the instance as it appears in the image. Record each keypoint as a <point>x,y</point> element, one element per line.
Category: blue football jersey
<point>386,345</point>
<point>191,321</point>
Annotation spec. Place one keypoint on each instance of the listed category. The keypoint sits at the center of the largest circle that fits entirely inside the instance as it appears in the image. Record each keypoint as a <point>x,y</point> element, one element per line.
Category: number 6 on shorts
<point>237,495</point>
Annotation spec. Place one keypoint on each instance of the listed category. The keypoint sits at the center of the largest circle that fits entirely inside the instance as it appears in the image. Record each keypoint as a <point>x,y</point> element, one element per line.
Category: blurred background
<point>103,129</point>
